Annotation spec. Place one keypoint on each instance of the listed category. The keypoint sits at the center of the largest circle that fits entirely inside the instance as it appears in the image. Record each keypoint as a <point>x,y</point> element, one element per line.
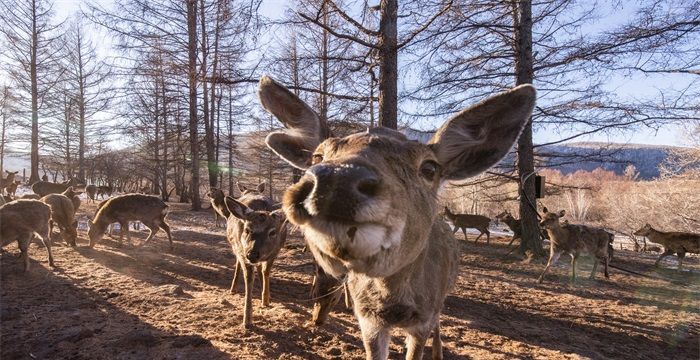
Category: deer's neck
<point>557,234</point>
<point>656,235</point>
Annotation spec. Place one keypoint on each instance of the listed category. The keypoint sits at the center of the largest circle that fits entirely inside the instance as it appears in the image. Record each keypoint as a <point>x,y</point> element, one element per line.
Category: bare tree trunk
<point>164,172</point>
<point>531,241</point>
<point>34,173</point>
<point>156,141</point>
<point>230,141</point>
<point>388,57</point>
<point>194,144</point>
<point>81,113</point>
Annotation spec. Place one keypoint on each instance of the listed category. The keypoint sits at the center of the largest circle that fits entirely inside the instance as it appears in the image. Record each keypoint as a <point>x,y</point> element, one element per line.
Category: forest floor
<point>151,303</point>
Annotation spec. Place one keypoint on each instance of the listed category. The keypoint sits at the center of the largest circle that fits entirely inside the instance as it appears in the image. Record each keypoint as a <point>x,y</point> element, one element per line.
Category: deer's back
<point>678,241</point>
<point>467,220</point>
<point>581,239</point>
<point>132,207</point>
<point>62,208</point>
<point>22,216</point>
<point>43,188</point>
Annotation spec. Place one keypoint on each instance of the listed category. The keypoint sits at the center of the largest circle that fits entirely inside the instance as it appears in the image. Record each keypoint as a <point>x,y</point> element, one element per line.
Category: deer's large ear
<point>236,208</point>
<point>241,187</point>
<point>479,137</point>
<point>562,213</point>
<point>304,129</point>
<point>261,187</point>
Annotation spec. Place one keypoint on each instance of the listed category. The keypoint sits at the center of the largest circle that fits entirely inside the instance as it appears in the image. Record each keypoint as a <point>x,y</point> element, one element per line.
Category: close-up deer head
<point>367,201</point>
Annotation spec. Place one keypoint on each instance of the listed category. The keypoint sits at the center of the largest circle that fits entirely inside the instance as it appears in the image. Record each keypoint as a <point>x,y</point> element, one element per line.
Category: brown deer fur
<point>216,198</point>
<point>513,224</point>
<point>575,240</point>
<point>103,191</point>
<point>150,210</point>
<point>256,235</point>
<point>74,196</point>
<point>43,188</point>
<point>678,243</point>
<point>20,220</point>
<point>63,216</point>
<point>368,206</point>
<point>91,191</point>
<point>11,188</point>
<point>465,221</point>
<point>9,179</point>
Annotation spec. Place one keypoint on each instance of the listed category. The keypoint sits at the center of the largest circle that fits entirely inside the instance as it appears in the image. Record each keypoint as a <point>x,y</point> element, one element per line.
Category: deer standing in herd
<point>368,206</point>
<point>678,243</point>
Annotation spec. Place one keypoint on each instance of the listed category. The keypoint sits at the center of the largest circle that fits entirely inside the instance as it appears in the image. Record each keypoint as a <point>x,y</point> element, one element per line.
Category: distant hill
<point>588,156</point>
<point>613,157</point>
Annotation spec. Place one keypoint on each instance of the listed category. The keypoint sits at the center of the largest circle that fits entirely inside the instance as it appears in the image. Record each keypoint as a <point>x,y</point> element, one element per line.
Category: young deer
<point>513,224</point>
<point>575,240</point>
<point>150,210</point>
<point>464,221</point>
<point>256,235</point>
<point>20,220</point>
<point>260,189</point>
<point>6,181</point>
<point>673,242</point>
<point>368,206</point>
<point>216,198</point>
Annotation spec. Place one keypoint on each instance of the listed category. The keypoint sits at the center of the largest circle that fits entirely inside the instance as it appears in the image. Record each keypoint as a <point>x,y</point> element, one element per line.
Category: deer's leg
<point>488,236</point>
<point>249,277</point>
<point>595,267</point>
<point>513,240</point>
<point>236,276</point>
<point>415,341</point>
<point>348,298</point>
<point>23,242</point>
<point>553,257</point>
<point>573,267</point>
<point>125,230</point>
<point>266,267</point>
<point>455,230</point>
<point>606,263</point>
<point>681,255</point>
<point>375,339</point>
<point>477,238</point>
<point>437,342</point>
<point>663,255</point>
<point>46,240</point>
<point>166,228</point>
<point>152,230</point>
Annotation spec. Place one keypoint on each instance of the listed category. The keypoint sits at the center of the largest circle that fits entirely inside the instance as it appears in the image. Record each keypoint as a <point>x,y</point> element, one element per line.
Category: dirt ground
<point>150,303</point>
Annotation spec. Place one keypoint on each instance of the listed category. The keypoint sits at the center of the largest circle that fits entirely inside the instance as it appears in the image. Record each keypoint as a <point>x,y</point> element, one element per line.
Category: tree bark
<point>192,68</point>
<point>34,172</point>
<point>530,240</point>
<point>388,58</point>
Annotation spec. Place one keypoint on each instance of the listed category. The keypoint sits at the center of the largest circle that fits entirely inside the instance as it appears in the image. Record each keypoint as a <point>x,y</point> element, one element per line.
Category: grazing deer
<point>575,240</point>
<point>20,220</point>
<point>150,210</point>
<point>677,243</point>
<point>216,197</point>
<point>63,216</point>
<point>74,196</point>
<point>256,235</point>
<point>464,221</point>
<point>368,207</point>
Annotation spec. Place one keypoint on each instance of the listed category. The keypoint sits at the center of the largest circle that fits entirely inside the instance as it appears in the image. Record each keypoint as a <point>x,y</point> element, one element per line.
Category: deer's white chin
<point>350,243</point>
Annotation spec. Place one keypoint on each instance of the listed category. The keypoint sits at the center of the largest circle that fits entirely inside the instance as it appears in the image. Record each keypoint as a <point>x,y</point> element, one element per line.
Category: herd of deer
<point>367,205</point>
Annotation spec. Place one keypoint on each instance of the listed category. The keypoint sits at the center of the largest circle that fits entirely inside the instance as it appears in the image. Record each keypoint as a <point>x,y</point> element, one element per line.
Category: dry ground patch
<point>125,303</point>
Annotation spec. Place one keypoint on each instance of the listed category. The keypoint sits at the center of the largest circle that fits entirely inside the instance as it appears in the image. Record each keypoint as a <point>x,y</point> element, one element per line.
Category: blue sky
<point>629,87</point>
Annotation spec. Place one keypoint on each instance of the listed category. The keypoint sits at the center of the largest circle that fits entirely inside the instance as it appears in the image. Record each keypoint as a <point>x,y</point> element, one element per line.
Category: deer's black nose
<point>338,189</point>
<point>253,256</point>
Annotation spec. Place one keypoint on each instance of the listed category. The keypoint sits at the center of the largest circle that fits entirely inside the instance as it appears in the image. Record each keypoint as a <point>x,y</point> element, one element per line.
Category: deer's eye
<point>316,158</point>
<point>272,233</point>
<point>429,170</point>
